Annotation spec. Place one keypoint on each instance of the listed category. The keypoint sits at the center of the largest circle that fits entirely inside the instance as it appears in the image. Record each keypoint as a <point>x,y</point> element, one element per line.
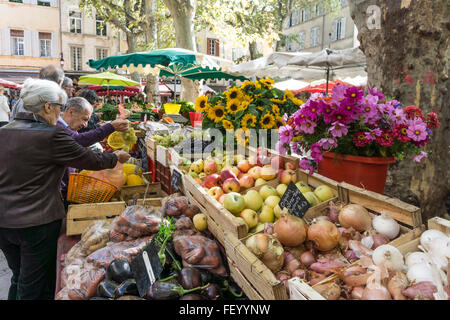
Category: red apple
<point>198,180</point>
<point>226,174</point>
<point>244,165</point>
<point>216,192</point>
<point>210,167</point>
<point>255,172</point>
<point>212,181</point>
<point>277,162</point>
<point>279,172</point>
<point>287,176</point>
<point>289,166</point>
<point>231,185</point>
<point>247,182</point>
<point>240,175</point>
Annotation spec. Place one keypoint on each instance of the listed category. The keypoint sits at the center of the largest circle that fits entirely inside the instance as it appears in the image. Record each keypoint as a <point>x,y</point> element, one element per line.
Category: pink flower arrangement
<point>353,123</point>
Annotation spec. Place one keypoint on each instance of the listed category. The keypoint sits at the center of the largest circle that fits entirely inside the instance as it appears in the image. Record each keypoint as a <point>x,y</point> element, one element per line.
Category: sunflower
<point>297,102</point>
<point>228,125</point>
<point>276,101</point>
<point>249,120</point>
<point>244,105</point>
<point>260,108</point>
<point>279,122</point>
<point>201,104</point>
<point>247,84</point>
<point>233,106</point>
<point>257,85</point>
<point>289,94</point>
<point>247,98</point>
<point>234,93</point>
<point>275,109</point>
<point>216,113</point>
<point>267,121</point>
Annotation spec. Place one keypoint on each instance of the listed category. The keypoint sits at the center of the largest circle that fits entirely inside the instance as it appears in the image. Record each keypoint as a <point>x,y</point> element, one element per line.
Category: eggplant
<point>193,296</point>
<point>190,278</point>
<point>168,291</point>
<point>127,288</point>
<point>99,298</point>
<point>206,276</point>
<point>119,270</point>
<point>130,298</point>
<point>213,292</point>
<point>106,289</point>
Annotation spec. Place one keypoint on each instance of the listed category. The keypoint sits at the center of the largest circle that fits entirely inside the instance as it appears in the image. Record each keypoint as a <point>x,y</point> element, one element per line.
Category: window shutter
<point>208,46</point>
<point>6,42</point>
<point>217,42</point>
<point>36,47</point>
<point>334,31</point>
<point>27,38</point>
<point>342,35</point>
<point>55,45</point>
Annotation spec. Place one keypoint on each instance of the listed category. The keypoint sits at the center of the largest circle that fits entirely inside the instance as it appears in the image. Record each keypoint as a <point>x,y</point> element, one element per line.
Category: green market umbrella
<point>200,73</point>
<point>174,61</point>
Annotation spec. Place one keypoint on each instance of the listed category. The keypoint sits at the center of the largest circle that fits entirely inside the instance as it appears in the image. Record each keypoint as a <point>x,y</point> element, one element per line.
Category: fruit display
<point>169,140</point>
<point>132,175</point>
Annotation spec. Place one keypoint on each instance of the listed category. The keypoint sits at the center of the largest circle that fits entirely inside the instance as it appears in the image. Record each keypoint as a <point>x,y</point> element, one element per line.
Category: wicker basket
<point>86,189</point>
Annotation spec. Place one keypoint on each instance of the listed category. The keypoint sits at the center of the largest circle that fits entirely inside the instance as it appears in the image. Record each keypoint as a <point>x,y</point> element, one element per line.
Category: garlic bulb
<point>413,258</point>
<point>389,256</point>
<point>386,226</point>
<point>428,236</point>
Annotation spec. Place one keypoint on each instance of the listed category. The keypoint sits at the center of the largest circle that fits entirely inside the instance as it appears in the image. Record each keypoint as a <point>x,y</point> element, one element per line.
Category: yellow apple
<point>267,191</point>
<point>324,192</point>
<point>259,182</point>
<point>272,201</point>
<point>277,211</point>
<point>268,173</point>
<point>250,216</point>
<point>259,227</point>
<point>267,214</point>
<point>312,198</point>
<point>303,187</point>
<point>253,200</point>
<point>281,189</point>
<point>200,221</point>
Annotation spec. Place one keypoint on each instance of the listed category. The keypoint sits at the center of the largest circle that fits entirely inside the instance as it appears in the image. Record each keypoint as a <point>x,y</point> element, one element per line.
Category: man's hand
<point>122,156</point>
<point>121,125</point>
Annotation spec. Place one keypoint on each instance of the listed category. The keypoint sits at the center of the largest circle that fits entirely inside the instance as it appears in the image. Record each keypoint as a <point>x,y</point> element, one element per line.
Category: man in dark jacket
<point>31,207</point>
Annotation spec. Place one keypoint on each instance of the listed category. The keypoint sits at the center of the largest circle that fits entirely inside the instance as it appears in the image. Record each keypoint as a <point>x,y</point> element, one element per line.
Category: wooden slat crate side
<point>316,180</point>
<point>300,290</point>
<point>151,148</point>
<point>74,228</point>
<point>398,210</point>
<point>254,270</point>
<point>130,192</point>
<point>242,282</point>
<point>440,224</point>
<point>152,202</point>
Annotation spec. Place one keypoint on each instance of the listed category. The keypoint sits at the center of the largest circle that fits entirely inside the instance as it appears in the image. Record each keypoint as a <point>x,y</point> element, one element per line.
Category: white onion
<point>367,241</point>
<point>421,272</point>
<point>413,258</point>
<point>389,256</point>
<point>428,236</point>
<point>386,226</point>
<point>439,249</point>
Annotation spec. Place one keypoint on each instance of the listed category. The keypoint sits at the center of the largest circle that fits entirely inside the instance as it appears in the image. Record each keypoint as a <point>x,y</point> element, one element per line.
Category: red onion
<point>376,294</point>
<point>333,213</point>
<point>350,255</point>
<point>290,263</point>
<point>357,293</point>
<point>378,240</point>
<point>299,273</point>
<point>307,258</point>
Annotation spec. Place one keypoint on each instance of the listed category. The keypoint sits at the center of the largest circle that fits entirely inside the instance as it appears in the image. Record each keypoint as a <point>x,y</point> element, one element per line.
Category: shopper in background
<point>4,108</point>
<point>67,85</point>
<point>31,208</point>
<point>93,99</point>
<point>50,72</point>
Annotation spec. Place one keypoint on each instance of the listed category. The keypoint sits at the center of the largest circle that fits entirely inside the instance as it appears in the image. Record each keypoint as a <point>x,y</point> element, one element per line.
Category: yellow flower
<point>244,105</point>
<point>267,82</point>
<point>233,106</point>
<point>242,136</point>
<point>297,102</point>
<point>267,121</point>
<point>234,93</point>
<point>257,85</point>
<point>289,94</point>
<point>247,98</point>
<point>276,101</point>
<point>201,104</point>
<point>275,109</point>
<point>279,122</point>
<point>260,108</point>
<point>228,125</point>
<point>249,120</point>
<point>247,84</point>
<point>216,113</point>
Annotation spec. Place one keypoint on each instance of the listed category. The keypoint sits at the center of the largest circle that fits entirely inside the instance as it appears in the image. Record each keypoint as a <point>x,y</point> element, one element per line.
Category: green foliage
<point>109,112</point>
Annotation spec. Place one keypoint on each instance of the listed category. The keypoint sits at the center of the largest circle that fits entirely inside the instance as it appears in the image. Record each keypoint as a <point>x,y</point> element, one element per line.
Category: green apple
<point>312,199</point>
<point>281,189</point>
<point>193,174</point>
<point>267,214</point>
<point>303,187</point>
<point>234,202</point>
<point>253,200</point>
<point>267,191</point>
<point>259,227</point>
<point>259,182</point>
<point>324,192</point>
<point>246,225</point>
<point>250,216</point>
<point>272,201</point>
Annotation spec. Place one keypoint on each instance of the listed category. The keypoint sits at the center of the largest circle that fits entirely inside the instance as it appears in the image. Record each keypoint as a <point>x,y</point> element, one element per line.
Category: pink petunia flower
<point>327,143</point>
<point>401,133</point>
<point>305,165</point>
<point>418,158</point>
<point>354,94</point>
<point>360,139</point>
<point>311,110</point>
<point>373,134</point>
<point>374,91</point>
<point>417,130</point>
<point>338,93</point>
<point>282,148</point>
<point>285,134</point>
<point>338,129</point>
<point>398,116</point>
<point>386,139</point>
<point>308,127</point>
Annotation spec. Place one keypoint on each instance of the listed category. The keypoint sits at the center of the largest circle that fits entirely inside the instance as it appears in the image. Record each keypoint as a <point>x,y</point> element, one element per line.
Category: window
<point>295,17</point>
<point>288,44</point>
<point>213,47</point>
<point>338,29</point>
<point>102,53</point>
<point>315,36</point>
<point>304,15</point>
<point>100,26</point>
<point>17,43</point>
<point>301,40</point>
<point>75,22</point>
<point>44,3</point>
<point>75,55</point>
<point>18,1</point>
<point>45,44</point>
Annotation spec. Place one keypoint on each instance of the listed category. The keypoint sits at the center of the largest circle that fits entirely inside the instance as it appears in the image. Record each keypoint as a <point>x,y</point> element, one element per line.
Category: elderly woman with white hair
<point>31,206</point>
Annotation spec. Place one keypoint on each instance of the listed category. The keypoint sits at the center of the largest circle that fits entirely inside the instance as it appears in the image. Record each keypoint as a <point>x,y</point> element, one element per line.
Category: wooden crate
<point>242,282</point>
<point>130,192</point>
<point>151,144</point>
<point>440,224</point>
<point>163,155</point>
<point>80,216</point>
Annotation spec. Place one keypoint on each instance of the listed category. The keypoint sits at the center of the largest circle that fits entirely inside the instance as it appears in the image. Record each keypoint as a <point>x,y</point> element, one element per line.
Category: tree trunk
<point>153,95</point>
<point>408,58</point>
<point>252,47</point>
<point>183,12</point>
<point>132,47</point>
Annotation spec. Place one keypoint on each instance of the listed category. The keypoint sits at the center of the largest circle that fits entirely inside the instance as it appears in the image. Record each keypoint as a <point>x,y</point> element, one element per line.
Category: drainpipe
<point>323,30</point>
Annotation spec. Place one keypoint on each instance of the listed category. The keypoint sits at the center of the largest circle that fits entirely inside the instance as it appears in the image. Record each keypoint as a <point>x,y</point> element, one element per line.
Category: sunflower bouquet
<point>253,105</point>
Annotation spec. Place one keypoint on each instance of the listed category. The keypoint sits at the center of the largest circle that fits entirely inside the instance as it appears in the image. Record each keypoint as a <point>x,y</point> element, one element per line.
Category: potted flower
<point>253,105</point>
<point>354,137</point>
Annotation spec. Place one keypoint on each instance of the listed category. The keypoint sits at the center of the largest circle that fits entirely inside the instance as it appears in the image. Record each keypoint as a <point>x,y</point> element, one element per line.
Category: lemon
<point>130,168</point>
<point>125,177</point>
<point>134,180</point>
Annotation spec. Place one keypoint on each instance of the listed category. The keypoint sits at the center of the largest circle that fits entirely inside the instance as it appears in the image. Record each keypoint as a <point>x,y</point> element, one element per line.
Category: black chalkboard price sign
<point>294,201</point>
<point>175,180</point>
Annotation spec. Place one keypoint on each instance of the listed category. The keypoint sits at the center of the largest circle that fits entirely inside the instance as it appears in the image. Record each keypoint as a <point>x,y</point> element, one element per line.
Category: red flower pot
<point>364,172</point>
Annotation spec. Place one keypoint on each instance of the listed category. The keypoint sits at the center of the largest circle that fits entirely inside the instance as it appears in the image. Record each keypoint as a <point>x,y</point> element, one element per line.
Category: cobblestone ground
<point>5,277</point>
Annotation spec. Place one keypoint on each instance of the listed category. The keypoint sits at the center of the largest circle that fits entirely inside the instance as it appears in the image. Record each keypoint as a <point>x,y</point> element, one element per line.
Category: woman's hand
<point>122,156</point>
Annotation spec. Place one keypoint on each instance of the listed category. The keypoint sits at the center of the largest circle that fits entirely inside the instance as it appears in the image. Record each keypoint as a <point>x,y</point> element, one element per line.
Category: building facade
<point>313,29</point>
<point>85,36</point>
<point>29,37</point>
